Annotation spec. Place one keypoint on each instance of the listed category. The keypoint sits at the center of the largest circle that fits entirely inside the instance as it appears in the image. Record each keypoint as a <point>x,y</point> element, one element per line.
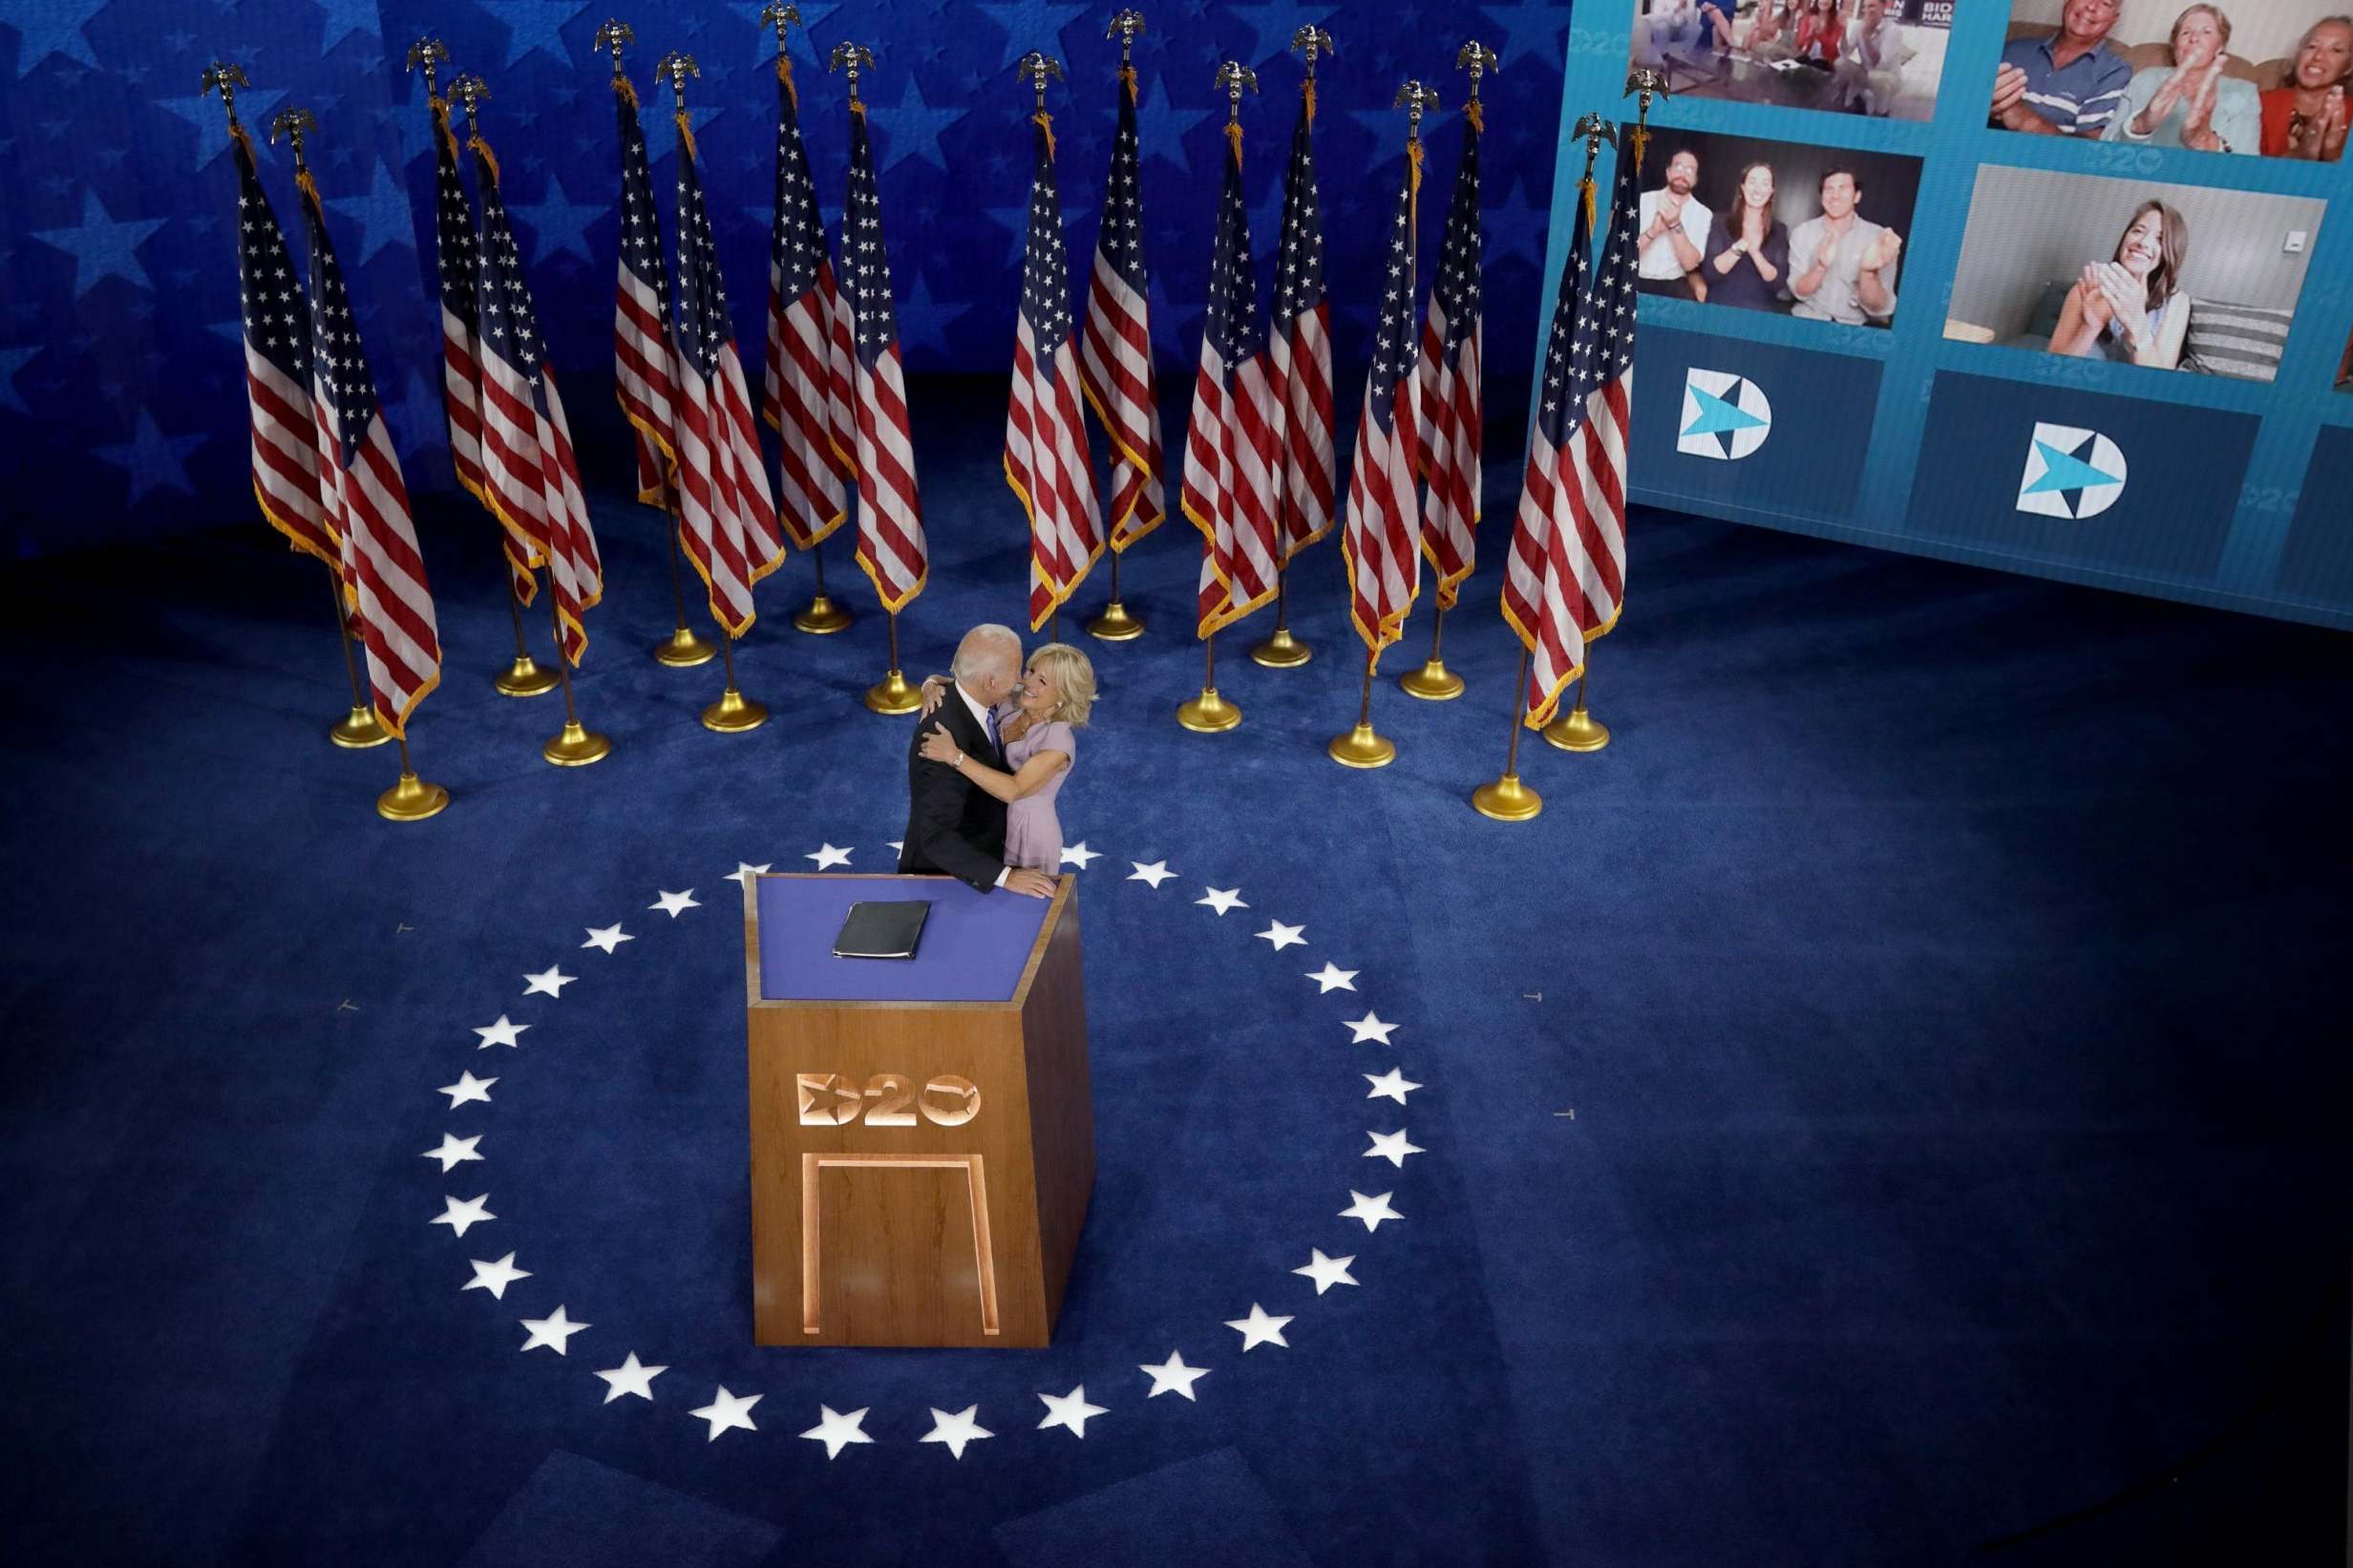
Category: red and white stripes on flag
<point>806,395</point>
<point>891,548</point>
<point>1564,581</point>
<point>1232,440</point>
<point>363,496</point>
<point>1116,348</point>
<point>1045,457</point>
<point>456,267</point>
<point>1299,350</point>
<point>725,514</point>
<point>1449,375</point>
<point>642,371</point>
<point>528,467</point>
<point>277,345</point>
<point>1378,544</point>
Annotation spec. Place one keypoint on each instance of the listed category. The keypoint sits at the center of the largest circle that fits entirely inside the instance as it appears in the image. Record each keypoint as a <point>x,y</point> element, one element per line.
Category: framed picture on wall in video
<point>2196,278</point>
<point>2255,78</point>
<point>1876,57</point>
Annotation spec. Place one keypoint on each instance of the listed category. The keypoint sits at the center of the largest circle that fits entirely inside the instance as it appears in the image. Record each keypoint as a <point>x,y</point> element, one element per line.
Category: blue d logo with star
<point>2070,473</point>
<point>1725,416</point>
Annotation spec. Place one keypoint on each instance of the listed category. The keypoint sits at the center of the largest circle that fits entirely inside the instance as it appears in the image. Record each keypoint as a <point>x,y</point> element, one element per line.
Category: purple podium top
<point>974,946</point>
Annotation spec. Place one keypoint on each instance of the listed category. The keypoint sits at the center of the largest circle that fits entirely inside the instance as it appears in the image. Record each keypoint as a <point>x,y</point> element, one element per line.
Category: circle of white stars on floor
<point>955,1432</point>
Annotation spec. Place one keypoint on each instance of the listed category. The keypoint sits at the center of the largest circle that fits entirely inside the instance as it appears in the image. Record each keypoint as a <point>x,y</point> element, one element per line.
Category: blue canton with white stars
<point>277,317</point>
<point>1232,325</point>
<point>796,240</point>
<point>1119,238</point>
<point>1046,278</point>
<point>510,326</point>
<point>700,325</point>
<point>334,339</point>
<point>865,265</point>
<point>640,220</point>
<point>453,233</point>
<point>1299,265</point>
<point>1395,345</point>
<point>1457,285</point>
<point>1600,345</point>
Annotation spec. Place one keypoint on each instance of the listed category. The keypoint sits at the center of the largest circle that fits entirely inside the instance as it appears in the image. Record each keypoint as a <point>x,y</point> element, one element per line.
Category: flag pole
<point>1209,713</point>
<point>1432,682</point>
<point>892,694</point>
<point>682,649</point>
<point>573,745</point>
<point>411,799</point>
<point>1507,799</point>
<point>359,728</point>
<point>820,617</point>
<point>1116,623</point>
<point>1361,747</point>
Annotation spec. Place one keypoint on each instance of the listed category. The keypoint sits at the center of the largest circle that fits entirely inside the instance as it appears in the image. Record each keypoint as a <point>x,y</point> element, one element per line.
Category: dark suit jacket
<point>953,825</point>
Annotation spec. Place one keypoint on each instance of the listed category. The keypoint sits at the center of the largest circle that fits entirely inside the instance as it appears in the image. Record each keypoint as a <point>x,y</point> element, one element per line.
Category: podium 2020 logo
<point>2070,473</point>
<point>1725,416</point>
<point>828,1099</point>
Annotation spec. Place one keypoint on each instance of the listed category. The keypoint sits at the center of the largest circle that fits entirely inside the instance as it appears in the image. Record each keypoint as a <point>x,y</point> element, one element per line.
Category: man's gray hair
<point>984,647</point>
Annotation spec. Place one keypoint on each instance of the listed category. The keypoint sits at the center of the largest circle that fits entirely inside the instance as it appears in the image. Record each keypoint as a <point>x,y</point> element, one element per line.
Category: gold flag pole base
<point>1433,682</point>
<point>733,712</point>
<point>682,650</point>
<point>892,694</point>
<point>1577,730</point>
<point>575,746</point>
<point>1281,651</point>
<point>1116,625</point>
<point>821,618</point>
<point>411,800</point>
<point>525,678</point>
<point>1208,713</point>
<point>1361,748</point>
<point>358,730</point>
<point>1506,800</point>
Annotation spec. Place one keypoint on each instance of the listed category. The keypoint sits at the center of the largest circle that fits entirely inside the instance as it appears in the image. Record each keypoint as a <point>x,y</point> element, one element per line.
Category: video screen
<point>2266,78</point>
<point>1783,226</point>
<point>2168,277</point>
<point>1876,57</point>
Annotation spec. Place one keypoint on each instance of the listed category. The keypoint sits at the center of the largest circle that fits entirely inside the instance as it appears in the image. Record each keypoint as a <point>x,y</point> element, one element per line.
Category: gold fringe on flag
<point>1045,122</point>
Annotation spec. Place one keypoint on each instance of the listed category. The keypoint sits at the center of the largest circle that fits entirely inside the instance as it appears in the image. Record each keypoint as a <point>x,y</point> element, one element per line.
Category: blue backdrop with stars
<point>118,360</point>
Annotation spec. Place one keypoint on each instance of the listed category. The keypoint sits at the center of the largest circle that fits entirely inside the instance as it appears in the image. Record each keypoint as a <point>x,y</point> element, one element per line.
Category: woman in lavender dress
<point>1057,692</point>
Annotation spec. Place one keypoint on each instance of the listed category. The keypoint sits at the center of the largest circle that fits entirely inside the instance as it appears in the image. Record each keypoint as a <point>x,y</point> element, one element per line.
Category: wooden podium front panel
<point>903,1225</point>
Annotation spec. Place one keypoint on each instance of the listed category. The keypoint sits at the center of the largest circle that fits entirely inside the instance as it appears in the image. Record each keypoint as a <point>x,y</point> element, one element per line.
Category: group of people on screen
<point>1836,265</point>
<point>1865,52</point>
<point>2076,83</point>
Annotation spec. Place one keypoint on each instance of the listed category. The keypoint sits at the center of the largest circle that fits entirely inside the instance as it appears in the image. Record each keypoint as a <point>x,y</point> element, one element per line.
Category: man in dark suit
<point>953,825</point>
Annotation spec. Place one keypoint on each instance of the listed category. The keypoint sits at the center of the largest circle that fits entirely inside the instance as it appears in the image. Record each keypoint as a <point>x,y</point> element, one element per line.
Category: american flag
<point>1231,440</point>
<point>1046,456</point>
<point>1566,575</point>
<point>1449,375</point>
<point>890,535</point>
<point>806,398</point>
<point>366,503</point>
<point>285,446</point>
<point>461,370</point>
<point>1384,571</point>
<point>1116,352</point>
<point>1302,350</point>
<point>728,518</point>
<point>528,469</point>
<point>642,371</point>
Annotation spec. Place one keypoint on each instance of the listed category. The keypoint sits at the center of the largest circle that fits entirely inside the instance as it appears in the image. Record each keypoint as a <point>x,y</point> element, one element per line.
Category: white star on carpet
<point>608,937</point>
<point>457,1217</point>
<point>500,1034</point>
<point>744,872</point>
<point>898,844</point>
<point>837,1432</point>
<point>1328,1272</point>
<point>1370,1210</point>
<point>1333,978</point>
<point>549,982</point>
<point>726,1410</point>
<point>454,1152</point>
<point>1173,1376</point>
<point>632,1377</point>
<point>955,1430</point>
<point>1392,1085</point>
<point>468,1087</point>
<point>1153,873</point>
<point>552,1332</point>
<point>1080,856</point>
<point>496,1277</point>
<point>675,904</point>
<point>1391,1147</point>
<point>1283,936</point>
<point>1369,1028</point>
<point>1223,899</point>
<point>1258,1328</point>
<point>1071,1410</point>
<point>829,856</point>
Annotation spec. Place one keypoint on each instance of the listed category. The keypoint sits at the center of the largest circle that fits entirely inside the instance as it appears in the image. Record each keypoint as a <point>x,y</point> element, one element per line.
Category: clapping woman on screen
<point>2306,118</point>
<point>1821,33</point>
<point>2191,103</point>
<point>1748,247</point>
<point>2130,308</point>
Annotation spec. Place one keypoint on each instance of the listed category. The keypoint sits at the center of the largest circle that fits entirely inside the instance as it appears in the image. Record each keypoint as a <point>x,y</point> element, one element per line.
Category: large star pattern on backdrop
<point>212,127</point>
<point>1531,30</point>
<point>1032,24</point>
<point>383,215</point>
<point>911,127</point>
<point>102,246</point>
<point>1271,26</point>
<point>535,24</point>
<point>152,460</point>
<point>13,360</point>
<point>54,27</point>
<point>558,224</point>
<point>345,17</point>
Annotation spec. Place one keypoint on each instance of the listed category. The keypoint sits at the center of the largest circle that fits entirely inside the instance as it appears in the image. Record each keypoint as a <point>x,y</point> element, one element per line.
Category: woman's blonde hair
<point>2223,23</point>
<point>1072,675</point>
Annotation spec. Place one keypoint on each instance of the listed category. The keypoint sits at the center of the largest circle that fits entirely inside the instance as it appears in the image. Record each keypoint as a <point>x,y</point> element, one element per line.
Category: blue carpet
<point>1938,969</point>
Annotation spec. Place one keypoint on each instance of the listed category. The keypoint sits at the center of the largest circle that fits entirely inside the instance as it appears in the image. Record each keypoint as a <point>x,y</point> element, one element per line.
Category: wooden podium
<point>922,1140</point>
